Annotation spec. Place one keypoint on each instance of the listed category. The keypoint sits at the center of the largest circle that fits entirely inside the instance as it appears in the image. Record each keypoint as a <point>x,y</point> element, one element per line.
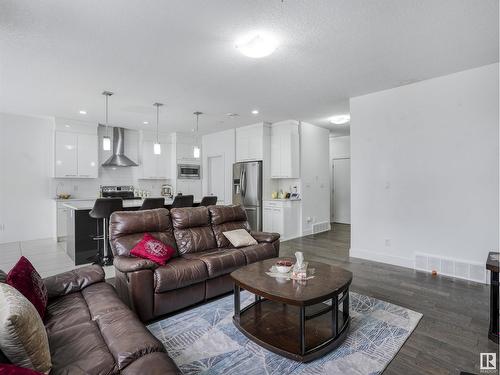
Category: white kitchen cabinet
<point>283,217</point>
<point>66,155</point>
<point>87,156</point>
<point>285,152</point>
<point>250,143</point>
<point>61,221</point>
<point>156,167</point>
<point>76,155</point>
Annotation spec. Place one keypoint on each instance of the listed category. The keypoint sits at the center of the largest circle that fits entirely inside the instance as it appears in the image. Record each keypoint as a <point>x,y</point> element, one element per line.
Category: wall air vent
<point>451,267</point>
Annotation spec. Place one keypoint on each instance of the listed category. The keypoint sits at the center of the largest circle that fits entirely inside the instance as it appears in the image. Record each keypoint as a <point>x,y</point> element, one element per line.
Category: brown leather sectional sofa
<point>91,331</point>
<point>199,271</point>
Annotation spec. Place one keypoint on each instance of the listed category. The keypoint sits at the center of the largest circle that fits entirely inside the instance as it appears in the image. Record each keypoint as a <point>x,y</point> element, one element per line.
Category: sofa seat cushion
<point>258,252</point>
<point>178,273</point>
<point>80,349</point>
<point>65,312</point>
<point>220,261</point>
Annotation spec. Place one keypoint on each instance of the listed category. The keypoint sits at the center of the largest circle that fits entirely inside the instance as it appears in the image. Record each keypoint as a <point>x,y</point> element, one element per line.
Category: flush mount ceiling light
<point>106,141</point>
<point>340,119</point>
<point>82,112</point>
<point>257,44</point>
<point>255,112</point>
<point>145,122</point>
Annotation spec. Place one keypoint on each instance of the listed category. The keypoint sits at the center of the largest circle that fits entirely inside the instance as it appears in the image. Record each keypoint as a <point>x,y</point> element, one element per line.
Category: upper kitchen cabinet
<point>75,152</point>
<point>250,142</point>
<point>187,148</point>
<point>285,150</point>
<point>156,167</point>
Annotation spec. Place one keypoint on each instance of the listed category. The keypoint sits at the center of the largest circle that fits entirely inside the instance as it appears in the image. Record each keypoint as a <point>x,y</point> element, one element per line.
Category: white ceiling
<point>58,56</point>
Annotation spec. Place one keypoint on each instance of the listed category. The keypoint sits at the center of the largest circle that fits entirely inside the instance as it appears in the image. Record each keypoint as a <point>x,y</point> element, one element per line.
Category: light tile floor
<point>47,256</point>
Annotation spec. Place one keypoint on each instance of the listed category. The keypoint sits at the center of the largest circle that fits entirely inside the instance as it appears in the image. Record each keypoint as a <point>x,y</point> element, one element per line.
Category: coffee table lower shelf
<point>295,332</point>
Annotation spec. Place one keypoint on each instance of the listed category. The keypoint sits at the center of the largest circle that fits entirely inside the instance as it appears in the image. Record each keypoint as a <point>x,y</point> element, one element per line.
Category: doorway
<point>341,191</point>
<point>215,180</point>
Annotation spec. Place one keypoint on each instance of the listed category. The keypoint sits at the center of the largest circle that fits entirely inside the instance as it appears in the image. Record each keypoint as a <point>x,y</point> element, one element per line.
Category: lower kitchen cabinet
<point>283,217</point>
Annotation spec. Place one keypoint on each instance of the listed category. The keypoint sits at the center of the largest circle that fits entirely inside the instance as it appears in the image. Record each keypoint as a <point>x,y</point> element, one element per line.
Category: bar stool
<point>103,208</point>
<point>183,201</point>
<point>152,203</point>
<point>209,200</point>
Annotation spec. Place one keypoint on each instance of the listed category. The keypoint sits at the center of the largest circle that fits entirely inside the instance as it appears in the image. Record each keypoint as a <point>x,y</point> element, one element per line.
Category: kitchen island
<point>82,229</point>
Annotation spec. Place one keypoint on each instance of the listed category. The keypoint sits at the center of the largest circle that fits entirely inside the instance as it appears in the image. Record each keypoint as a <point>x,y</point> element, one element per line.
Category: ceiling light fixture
<point>340,119</point>
<point>196,148</point>
<point>145,122</point>
<point>157,146</point>
<point>257,44</point>
<point>255,112</point>
<point>82,112</point>
<point>106,140</point>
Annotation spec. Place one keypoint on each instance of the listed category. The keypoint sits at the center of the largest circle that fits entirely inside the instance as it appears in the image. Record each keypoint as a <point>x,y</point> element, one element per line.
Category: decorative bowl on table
<point>284,266</point>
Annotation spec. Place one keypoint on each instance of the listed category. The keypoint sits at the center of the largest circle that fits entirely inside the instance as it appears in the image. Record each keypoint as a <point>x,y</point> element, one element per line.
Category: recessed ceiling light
<point>145,122</point>
<point>83,112</point>
<point>257,44</point>
<point>67,126</point>
<point>340,119</point>
<point>255,112</point>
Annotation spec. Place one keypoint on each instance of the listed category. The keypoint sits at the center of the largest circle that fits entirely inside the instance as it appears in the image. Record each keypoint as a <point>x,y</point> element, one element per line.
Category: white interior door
<point>216,176</point>
<point>341,190</point>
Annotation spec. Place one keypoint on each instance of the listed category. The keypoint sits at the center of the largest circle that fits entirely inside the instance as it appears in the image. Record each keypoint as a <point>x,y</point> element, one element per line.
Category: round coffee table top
<point>327,282</point>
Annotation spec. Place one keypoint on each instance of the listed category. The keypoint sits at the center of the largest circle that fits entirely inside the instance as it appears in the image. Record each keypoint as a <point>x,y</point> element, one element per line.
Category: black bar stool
<point>103,208</point>
<point>209,200</point>
<point>183,201</point>
<point>152,203</point>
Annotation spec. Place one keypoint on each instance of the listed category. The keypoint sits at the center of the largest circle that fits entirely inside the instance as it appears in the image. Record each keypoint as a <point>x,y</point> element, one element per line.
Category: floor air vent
<point>450,267</point>
<point>321,227</point>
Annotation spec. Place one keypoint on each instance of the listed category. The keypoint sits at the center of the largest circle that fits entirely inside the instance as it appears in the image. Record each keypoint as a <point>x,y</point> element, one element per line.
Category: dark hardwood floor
<point>454,329</point>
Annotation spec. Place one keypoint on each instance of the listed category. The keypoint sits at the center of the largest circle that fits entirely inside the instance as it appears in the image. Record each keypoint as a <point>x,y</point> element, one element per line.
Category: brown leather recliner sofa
<point>200,269</point>
<point>91,331</point>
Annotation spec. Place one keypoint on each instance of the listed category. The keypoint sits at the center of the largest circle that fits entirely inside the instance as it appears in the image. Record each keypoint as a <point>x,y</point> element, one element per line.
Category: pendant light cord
<point>106,96</point>
<point>157,121</point>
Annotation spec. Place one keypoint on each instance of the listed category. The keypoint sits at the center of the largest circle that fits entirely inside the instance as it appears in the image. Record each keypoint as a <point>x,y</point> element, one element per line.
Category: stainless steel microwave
<point>188,171</point>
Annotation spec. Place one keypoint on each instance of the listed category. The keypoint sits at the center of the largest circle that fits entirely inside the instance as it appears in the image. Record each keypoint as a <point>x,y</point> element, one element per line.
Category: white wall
<point>425,163</point>
<point>315,176</point>
<point>214,144</point>
<point>26,159</point>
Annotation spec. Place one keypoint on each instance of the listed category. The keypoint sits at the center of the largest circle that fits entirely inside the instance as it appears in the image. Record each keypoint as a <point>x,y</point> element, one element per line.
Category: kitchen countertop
<point>127,203</point>
<point>282,200</point>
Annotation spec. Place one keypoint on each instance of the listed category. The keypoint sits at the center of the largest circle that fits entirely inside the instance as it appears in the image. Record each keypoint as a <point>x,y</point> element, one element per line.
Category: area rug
<point>204,340</point>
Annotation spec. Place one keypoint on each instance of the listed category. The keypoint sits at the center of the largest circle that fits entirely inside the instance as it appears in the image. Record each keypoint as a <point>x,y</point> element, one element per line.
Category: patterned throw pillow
<point>15,370</point>
<point>23,338</point>
<point>24,278</point>
<point>153,249</point>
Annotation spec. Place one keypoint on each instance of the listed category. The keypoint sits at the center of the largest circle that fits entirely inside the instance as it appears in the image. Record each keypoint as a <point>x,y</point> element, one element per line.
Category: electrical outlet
<point>75,188</point>
<point>308,219</point>
<point>2,227</point>
<point>387,242</point>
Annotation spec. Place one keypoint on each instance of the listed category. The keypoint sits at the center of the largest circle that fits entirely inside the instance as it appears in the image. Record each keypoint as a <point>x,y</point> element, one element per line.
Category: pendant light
<point>106,140</point>
<point>157,146</point>
<point>196,148</point>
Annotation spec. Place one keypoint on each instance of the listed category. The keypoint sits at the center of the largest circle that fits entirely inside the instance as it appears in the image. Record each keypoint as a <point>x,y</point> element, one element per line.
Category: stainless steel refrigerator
<point>247,190</point>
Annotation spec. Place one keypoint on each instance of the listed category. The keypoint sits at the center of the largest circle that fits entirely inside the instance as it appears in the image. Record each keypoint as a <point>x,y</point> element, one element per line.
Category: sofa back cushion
<point>192,229</point>
<point>127,228</point>
<point>225,219</point>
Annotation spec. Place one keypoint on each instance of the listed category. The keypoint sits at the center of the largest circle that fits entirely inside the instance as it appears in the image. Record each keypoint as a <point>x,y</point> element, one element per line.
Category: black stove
<point>124,192</point>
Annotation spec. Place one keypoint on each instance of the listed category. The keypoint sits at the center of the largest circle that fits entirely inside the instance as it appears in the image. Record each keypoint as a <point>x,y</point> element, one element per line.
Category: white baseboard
<point>381,257</point>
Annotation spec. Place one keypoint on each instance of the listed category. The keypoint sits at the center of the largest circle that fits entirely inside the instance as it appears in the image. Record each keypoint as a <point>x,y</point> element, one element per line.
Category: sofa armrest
<point>73,281</point>
<point>265,236</point>
<point>124,263</point>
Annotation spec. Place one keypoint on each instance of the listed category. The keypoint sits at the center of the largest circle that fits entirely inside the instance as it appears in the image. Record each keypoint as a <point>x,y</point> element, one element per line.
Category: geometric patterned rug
<point>204,340</point>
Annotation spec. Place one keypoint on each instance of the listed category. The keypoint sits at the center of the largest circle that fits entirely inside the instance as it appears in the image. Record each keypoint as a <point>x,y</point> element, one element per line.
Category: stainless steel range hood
<point>118,159</point>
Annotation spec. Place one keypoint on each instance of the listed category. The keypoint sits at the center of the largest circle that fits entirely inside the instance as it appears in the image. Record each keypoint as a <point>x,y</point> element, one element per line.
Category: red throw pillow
<point>153,249</point>
<point>15,370</point>
<point>26,280</point>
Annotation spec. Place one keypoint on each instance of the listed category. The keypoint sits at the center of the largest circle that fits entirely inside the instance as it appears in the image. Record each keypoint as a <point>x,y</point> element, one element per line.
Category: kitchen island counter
<point>82,229</point>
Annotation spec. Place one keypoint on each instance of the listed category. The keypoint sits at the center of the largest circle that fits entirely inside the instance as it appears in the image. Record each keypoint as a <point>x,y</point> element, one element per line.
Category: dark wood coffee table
<point>290,317</point>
